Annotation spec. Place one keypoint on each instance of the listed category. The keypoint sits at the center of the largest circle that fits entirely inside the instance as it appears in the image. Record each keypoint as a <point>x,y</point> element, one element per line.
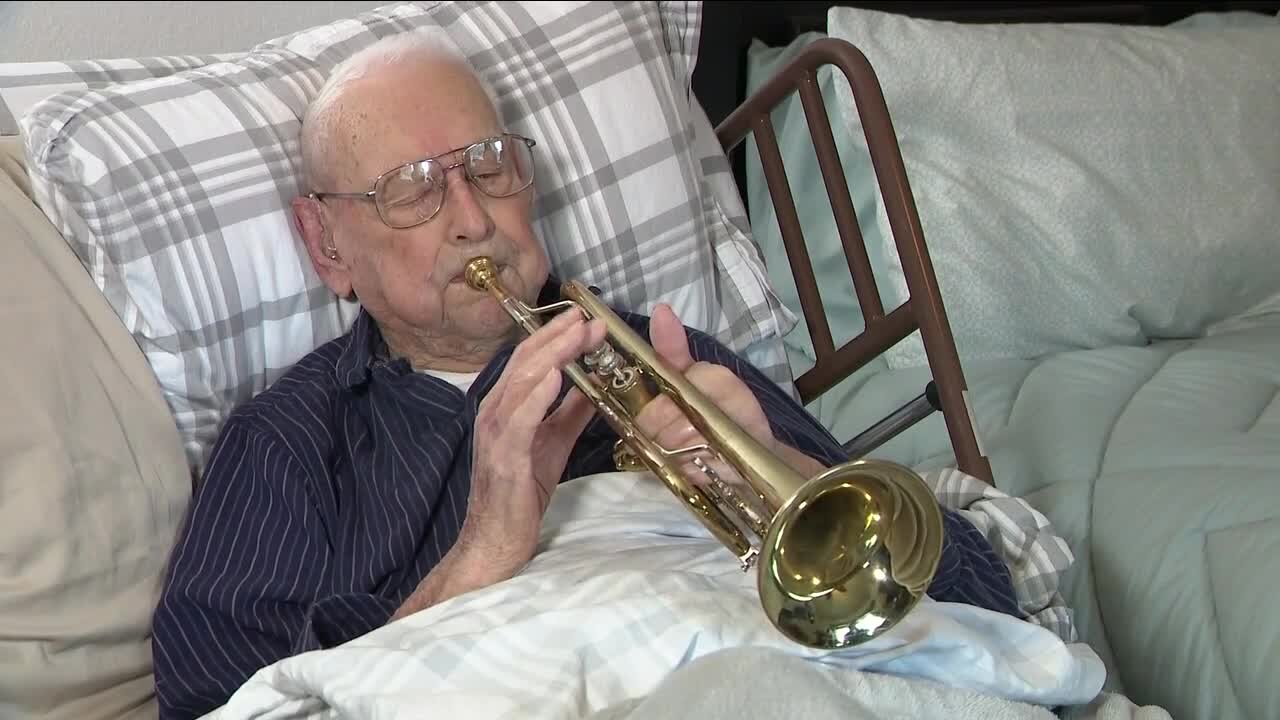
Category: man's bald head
<point>365,93</point>
<point>384,112</point>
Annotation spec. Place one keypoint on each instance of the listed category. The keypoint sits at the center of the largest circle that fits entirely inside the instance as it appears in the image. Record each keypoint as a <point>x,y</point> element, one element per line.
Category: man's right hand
<point>518,456</point>
<point>519,452</point>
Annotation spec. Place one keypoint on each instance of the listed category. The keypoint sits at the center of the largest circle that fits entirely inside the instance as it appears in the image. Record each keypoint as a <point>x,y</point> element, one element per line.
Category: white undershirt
<point>460,380</point>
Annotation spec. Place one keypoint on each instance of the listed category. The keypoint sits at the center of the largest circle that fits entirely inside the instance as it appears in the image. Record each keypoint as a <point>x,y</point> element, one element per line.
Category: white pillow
<point>174,192</point>
<point>1078,185</point>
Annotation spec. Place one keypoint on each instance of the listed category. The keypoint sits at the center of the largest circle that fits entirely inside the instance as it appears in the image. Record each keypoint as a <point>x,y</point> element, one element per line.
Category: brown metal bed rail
<point>923,309</point>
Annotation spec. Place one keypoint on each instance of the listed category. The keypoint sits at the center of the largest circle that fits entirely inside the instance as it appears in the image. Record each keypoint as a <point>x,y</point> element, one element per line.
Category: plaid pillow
<point>23,84</point>
<point>174,192</point>
<point>740,256</point>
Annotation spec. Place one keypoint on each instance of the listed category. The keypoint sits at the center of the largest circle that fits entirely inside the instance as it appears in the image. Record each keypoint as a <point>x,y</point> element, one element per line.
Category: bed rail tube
<point>923,310</point>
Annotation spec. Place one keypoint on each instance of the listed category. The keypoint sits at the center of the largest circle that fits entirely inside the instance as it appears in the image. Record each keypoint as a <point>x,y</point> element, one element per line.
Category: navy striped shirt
<point>329,496</point>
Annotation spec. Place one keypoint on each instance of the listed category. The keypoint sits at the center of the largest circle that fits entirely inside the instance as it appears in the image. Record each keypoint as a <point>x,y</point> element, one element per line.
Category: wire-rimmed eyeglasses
<point>412,193</point>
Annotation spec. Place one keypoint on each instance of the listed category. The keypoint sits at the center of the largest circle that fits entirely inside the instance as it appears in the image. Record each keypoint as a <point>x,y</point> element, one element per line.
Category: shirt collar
<point>366,348</point>
<point>363,350</point>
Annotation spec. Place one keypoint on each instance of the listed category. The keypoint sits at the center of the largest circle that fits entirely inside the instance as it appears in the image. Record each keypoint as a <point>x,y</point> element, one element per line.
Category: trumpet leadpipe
<point>765,472</point>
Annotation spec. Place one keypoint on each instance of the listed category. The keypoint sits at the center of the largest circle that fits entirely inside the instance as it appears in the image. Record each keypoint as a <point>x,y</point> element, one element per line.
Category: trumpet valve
<point>604,360</point>
<point>730,496</point>
<point>623,381</point>
<point>625,459</point>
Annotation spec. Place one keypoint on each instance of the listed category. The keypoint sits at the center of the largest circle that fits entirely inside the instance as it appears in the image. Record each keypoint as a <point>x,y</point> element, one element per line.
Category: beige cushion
<point>93,482</point>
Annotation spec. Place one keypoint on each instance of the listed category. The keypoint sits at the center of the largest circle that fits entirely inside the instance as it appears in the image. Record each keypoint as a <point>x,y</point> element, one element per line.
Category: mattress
<point>1159,465</point>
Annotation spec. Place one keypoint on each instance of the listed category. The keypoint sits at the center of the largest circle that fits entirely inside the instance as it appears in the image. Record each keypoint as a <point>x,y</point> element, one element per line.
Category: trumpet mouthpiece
<point>479,273</point>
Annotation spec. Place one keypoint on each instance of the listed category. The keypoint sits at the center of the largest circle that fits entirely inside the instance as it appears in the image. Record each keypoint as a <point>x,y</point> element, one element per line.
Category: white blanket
<point>626,589</point>
<point>753,683</point>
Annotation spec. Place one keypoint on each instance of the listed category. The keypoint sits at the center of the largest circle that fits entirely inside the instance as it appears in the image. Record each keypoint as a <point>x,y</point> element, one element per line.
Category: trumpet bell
<point>849,554</point>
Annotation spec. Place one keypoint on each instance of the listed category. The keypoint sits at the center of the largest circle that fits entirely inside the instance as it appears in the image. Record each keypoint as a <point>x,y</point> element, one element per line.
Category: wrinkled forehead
<point>425,118</point>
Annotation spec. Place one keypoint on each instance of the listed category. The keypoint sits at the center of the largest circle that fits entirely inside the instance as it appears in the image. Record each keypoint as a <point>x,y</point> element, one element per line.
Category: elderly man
<point>411,460</point>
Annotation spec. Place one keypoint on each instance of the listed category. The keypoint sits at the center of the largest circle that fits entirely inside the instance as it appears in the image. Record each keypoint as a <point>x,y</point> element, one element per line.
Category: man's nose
<point>468,217</point>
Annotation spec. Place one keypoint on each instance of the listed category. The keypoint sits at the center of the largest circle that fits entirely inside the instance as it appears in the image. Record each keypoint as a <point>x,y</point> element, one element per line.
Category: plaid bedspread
<point>1023,537</point>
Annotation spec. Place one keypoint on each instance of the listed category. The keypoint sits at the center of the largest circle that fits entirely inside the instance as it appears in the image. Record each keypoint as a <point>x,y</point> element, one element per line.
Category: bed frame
<point>719,81</point>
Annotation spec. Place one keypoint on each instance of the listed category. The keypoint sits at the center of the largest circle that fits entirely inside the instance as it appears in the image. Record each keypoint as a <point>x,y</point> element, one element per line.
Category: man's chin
<point>490,320</point>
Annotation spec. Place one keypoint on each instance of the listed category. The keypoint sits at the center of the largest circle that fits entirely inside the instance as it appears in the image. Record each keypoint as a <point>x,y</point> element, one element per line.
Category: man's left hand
<point>663,421</point>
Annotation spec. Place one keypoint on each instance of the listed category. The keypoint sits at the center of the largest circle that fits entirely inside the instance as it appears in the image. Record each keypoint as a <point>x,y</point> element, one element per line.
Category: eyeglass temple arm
<point>322,195</point>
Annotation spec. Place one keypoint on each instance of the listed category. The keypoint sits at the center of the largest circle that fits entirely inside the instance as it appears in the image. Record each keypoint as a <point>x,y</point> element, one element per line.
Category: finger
<point>548,333</point>
<point>665,423</point>
<point>523,359</point>
<point>678,434</point>
<point>518,370</point>
<point>524,375</point>
<point>567,348</point>
<point>657,415</point>
<point>570,343</point>
<point>668,337</point>
<point>596,331</point>
<point>529,364</point>
<point>560,433</point>
<point>530,410</point>
<point>571,418</point>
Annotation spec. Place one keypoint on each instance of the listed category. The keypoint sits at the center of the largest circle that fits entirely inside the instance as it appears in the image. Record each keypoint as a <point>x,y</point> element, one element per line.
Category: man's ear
<point>309,218</point>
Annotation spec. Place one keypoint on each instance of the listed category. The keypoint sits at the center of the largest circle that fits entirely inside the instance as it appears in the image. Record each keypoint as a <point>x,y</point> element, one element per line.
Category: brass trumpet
<point>841,557</point>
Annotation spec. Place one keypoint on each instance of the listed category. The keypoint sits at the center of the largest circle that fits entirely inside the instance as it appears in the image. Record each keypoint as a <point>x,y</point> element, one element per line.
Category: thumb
<point>667,334</point>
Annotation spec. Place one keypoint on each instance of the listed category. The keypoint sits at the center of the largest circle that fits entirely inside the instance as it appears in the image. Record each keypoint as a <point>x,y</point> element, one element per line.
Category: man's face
<point>411,280</point>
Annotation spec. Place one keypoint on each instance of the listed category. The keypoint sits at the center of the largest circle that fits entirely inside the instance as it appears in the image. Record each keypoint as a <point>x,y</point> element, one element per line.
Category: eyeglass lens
<point>413,193</point>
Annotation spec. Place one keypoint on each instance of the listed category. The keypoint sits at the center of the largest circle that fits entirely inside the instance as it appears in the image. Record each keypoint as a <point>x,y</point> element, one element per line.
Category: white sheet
<point>626,588</point>
<point>754,683</point>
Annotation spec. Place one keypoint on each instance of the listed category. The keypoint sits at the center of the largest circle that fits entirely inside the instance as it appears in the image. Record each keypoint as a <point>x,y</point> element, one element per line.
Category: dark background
<point>719,79</point>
